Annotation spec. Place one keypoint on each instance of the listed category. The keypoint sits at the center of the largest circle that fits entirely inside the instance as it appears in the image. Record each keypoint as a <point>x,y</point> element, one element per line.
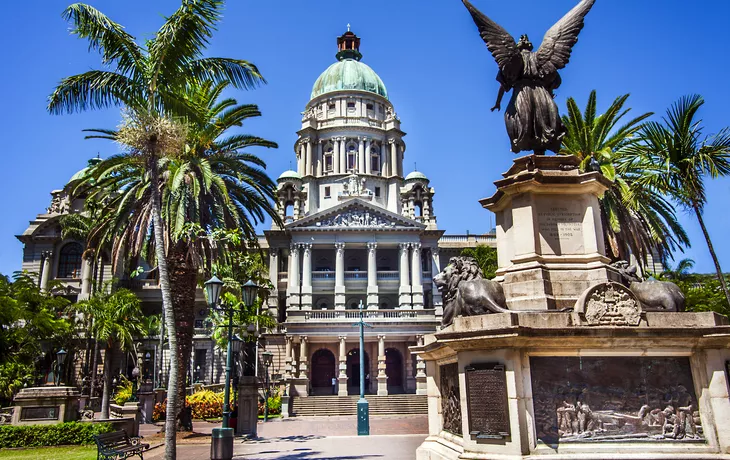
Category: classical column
<point>385,157</point>
<point>335,155</point>
<point>368,160</point>
<point>435,293</point>
<point>273,299</point>
<point>393,157</point>
<point>404,291</point>
<point>303,357</point>
<point>86,264</point>
<point>320,157</point>
<point>46,269</point>
<point>416,276</point>
<point>361,156</point>
<point>297,205</point>
<point>308,161</point>
<point>288,357</point>
<point>372,290</point>
<point>412,208</point>
<point>339,275</point>
<point>293,289</point>
<point>420,370</point>
<point>307,276</point>
<point>343,155</point>
<point>342,377</point>
<point>300,158</point>
<point>382,377</point>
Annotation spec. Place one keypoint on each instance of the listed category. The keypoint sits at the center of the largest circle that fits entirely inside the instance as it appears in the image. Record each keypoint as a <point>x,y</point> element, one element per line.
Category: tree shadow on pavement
<point>300,456</point>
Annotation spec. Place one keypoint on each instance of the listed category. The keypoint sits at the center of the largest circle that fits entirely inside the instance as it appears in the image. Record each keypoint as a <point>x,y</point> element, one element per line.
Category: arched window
<point>374,159</point>
<point>351,157</point>
<point>328,158</point>
<point>69,263</point>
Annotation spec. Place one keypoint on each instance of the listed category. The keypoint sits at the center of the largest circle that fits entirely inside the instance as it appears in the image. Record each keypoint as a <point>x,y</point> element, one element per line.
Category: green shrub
<point>123,392</point>
<point>51,435</point>
<point>206,404</point>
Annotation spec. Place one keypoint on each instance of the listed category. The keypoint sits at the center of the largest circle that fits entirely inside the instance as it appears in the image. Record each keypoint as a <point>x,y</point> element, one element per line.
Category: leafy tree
<point>29,318</point>
<point>636,218</point>
<point>148,81</point>
<point>679,272</point>
<point>677,157</point>
<point>117,319</point>
<point>486,258</point>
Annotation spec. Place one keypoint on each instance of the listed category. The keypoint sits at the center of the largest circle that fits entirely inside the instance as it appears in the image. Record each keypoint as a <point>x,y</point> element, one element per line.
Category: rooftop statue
<point>532,118</point>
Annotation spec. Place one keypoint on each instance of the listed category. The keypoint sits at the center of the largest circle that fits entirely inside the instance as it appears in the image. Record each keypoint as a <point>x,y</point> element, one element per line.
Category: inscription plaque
<point>486,393</point>
<point>560,224</point>
<point>39,413</point>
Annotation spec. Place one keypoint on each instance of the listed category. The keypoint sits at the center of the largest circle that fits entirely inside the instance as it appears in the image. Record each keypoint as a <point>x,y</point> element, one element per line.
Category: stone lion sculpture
<point>654,295</point>
<point>466,292</point>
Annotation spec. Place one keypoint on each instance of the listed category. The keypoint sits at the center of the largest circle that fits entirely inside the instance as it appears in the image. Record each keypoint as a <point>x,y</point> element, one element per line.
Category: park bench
<point>117,445</point>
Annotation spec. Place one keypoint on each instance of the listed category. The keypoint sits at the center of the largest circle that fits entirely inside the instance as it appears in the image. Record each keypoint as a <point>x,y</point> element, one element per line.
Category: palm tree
<point>678,156</point>
<point>636,218</point>
<point>210,185</point>
<point>680,271</point>
<point>117,319</point>
<point>147,81</point>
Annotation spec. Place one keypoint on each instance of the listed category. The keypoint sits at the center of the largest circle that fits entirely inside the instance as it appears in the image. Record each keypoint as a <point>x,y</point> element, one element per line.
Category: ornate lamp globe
<point>268,358</point>
<point>61,356</point>
<point>250,291</point>
<point>236,344</point>
<point>213,290</point>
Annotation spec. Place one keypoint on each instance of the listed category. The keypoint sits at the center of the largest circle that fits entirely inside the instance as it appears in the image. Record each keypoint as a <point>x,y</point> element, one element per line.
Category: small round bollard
<point>221,444</point>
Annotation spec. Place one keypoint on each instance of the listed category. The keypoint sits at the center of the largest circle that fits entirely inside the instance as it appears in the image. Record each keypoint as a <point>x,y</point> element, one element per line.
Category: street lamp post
<point>268,358</point>
<point>222,445</point>
<point>363,411</point>
<point>60,359</point>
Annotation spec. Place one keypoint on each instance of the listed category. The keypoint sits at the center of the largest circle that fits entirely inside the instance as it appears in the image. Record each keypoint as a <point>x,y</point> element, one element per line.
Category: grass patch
<point>261,417</point>
<point>50,453</point>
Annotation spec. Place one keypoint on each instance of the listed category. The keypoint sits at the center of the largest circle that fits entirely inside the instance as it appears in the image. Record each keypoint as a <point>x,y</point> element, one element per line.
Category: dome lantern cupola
<point>348,45</point>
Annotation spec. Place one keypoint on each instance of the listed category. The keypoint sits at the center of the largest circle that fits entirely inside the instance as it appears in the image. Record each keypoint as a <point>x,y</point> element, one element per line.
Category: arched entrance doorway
<point>353,372</point>
<point>324,368</point>
<point>394,370</point>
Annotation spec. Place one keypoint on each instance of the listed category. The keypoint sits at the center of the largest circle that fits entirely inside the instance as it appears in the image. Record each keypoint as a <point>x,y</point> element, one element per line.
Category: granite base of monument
<point>550,241</point>
<point>46,405</point>
<point>596,383</point>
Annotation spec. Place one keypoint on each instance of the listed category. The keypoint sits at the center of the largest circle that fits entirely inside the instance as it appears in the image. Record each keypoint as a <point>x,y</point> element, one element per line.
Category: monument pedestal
<point>46,405</point>
<point>597,383</point>
<point>550,242</point>
<point>248,406</point>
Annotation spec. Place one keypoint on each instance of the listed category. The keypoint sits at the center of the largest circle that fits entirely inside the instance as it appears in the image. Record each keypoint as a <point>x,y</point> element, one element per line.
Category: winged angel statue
<point>532,118</point>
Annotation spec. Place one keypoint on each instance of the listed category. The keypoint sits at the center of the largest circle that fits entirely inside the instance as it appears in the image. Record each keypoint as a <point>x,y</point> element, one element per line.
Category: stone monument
<point>46,405</point>
<point>581,360</point>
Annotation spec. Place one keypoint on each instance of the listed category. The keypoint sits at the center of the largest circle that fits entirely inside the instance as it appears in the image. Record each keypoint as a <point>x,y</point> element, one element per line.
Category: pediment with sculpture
<point>356,215</point>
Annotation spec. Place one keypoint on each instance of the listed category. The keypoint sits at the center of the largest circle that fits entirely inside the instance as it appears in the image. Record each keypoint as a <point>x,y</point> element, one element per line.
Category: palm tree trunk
<point>173,382</point>
<point>94,366</point>
<point>106,394</point>
<point>720,276</point>
<point>183,278</point>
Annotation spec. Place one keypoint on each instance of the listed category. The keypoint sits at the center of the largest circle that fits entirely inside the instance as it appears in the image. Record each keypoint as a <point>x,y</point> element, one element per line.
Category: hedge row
<point>51,435</point>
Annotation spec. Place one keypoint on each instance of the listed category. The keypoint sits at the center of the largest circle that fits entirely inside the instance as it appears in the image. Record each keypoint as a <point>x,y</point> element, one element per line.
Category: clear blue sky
<point>438,73</point>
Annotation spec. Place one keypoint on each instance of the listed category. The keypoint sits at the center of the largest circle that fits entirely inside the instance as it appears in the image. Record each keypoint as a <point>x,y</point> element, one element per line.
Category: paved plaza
<point>311,438</point>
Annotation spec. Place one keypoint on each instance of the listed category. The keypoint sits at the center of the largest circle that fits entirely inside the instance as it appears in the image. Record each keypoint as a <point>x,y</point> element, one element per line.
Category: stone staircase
<point>403,404</point>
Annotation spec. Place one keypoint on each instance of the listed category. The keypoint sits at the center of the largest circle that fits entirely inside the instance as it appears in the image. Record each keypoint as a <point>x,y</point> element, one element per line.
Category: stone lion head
<point>459,269</point>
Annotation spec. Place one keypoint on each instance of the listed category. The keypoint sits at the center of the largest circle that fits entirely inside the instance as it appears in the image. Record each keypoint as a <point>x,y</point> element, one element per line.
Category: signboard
<point>486,396</point>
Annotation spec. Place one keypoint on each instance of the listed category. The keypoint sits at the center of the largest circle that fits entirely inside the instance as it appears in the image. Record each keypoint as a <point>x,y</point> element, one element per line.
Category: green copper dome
<point>349,74</point>
<point>289,175</point>
<point>416,175</point>
<point>81,174</point>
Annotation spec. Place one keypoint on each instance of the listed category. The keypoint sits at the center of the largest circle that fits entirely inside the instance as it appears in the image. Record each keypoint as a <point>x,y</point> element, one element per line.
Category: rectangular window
<point>375,163</point>
<point>351,161</point>
<point>328,163</point>
<point>327,192</point>
<point>331,107</point>
<point>370,106</point>
<point>377,192</point>
<point>350,105</point>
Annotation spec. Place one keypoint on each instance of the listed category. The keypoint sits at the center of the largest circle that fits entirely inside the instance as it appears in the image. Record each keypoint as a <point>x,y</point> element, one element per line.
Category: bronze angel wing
<point>499,42</point>
<point>554,52</point>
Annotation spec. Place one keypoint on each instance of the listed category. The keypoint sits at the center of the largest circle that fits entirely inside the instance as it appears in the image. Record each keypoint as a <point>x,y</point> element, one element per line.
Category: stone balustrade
<point>386,315</point>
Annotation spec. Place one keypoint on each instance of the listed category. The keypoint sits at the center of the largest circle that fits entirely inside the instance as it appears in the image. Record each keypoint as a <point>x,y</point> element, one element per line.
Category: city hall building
<point>357,230</point>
